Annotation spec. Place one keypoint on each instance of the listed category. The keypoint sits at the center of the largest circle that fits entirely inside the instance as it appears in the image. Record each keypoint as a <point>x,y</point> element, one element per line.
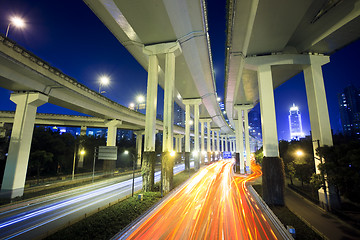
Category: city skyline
<point>81,38</point>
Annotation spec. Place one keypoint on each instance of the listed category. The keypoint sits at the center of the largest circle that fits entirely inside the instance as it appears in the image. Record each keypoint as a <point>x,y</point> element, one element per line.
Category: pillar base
<point>187,161</point>
<point>11,193</point>
<point>208,157</point>
<point>109,165</point>
<point>197,162</point>
<point>167,171</point>
<point>202,159</point>
<point>273,181</point>
<point>148,171</point>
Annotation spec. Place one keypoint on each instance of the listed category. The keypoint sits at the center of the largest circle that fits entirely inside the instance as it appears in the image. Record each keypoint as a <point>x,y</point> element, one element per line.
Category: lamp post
<point>133,177</point>
<point>140,99</point>
<point>17,22</point>
<point>104,80</point>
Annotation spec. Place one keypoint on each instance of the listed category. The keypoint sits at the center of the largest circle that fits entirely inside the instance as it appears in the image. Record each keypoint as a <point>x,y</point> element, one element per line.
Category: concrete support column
<point>202,154</point>
<point>208,146</point>
<point>319,121</point>
<point>226,143</point>
<point>267,109</point>
<point>2,130</point>
<point>80,164</point>
<point>112,127</point>
<point>273,166</point>
<point>247,142</point>
<point>171,50</point>
<point>20,142</point>
<point>240,136</point>
<point>213,145</point>
<point>139,140</point>
<point>218,144</point>
<point>187,136</point>
<point>195,102</point>
<point>148,166</point>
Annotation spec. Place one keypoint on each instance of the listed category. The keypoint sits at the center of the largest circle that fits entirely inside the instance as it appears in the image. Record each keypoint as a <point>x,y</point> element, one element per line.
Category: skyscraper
<point>295,124</point>
<point>179,115</point>
<point>349,105</point>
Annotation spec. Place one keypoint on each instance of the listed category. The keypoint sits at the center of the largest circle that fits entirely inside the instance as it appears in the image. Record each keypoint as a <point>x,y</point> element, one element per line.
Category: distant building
<point>295,124</point>
<point>349,105</point>
<point>255,124</point>
<point>179,115</point>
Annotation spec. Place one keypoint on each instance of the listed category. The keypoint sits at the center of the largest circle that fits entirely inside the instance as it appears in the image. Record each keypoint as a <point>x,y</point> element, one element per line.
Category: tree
<point>290,171</point>
<point>39,162</point>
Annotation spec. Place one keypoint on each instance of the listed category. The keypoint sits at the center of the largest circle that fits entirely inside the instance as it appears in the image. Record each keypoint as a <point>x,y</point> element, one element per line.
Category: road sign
<point>227,155</point>
<point>107,153</point>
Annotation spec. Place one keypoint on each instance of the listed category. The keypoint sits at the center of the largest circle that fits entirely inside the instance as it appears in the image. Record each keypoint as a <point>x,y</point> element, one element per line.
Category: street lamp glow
<point>299,153</point>
<point>104,80</point>
<point>16,22</point>
<point>82,152</point>
<point>218,99</point>
<point>191,122</point>
<point>132,105</point>
<point>172,153</point>
<point>140,99</point>
<point>126,152</point>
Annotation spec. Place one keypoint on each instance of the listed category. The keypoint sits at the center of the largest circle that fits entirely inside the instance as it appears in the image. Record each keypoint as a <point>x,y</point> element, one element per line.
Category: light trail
<point>214,204</point>
<point>36,218</point>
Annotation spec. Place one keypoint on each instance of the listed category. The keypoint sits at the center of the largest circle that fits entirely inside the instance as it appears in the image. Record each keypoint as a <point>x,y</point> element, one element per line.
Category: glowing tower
<point>295,125</point>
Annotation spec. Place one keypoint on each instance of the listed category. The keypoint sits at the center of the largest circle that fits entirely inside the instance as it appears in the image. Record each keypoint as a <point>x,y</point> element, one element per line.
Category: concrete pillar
<point>148,166</point>
<point>171,50</point>
<point>202,126</point>
<point>208,148</point>
<point>2,130</point>
<point>240,136</point>
<point>247,141</point>
<point>80,164</point>
<point>226,143</point>
<point>319,121</point>
<point>267,109</point>
<point>139,140</point>
<point>187,136</point>
<point>112,127</point>
<point>213,145</point>
<point>196,134</point>
<point>20,142</point>
<point>195,102</point>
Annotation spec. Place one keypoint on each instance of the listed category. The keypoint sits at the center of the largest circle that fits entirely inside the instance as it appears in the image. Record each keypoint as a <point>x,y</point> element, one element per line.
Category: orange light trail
<point>214,204</point>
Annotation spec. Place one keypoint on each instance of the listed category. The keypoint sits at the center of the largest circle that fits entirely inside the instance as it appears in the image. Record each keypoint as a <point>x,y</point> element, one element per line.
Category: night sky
<point>69,36</point>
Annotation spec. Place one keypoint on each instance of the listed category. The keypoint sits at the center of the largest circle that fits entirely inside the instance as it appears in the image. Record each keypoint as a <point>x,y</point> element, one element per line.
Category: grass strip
<point>108,222</point>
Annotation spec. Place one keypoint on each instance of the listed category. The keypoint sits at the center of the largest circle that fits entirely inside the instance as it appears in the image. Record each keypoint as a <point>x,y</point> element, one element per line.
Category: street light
<point>104,80</point>
<point>17,22</point>
<point>299,153</point>
<point>126,152</point>
<point>82,153</point>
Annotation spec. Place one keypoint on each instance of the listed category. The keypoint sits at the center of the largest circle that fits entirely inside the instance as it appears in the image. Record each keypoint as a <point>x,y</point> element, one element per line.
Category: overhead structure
<point>269,42</point>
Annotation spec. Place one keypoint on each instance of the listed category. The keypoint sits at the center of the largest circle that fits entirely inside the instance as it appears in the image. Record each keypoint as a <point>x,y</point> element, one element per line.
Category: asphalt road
<point>213,204</point>
<point>34,219</point>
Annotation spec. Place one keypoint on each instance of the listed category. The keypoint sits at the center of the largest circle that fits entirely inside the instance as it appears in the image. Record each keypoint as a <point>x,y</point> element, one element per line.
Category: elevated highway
<point>269,42</point>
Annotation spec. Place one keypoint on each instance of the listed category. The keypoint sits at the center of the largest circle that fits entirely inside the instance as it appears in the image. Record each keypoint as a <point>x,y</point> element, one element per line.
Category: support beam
<point>273,166</point>
<point>208,148</point>
<point>196,135</point>
<point>320,123</point>
<point>148,166</point>
<point>112,127</point>
<point>20,142</point>
<point>267,109</point>
<point>139,140</point>
<point>202,153</point>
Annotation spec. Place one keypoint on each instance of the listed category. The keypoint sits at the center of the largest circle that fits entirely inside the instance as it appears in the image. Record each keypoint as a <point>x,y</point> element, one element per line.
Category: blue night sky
<point>71,38</point>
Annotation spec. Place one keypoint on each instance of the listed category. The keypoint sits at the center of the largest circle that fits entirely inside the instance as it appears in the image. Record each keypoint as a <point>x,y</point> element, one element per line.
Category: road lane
<point>37,218</point>
<point>214,204</point>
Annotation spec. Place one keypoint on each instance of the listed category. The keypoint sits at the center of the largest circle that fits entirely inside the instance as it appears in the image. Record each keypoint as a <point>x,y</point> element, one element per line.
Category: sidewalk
<point>325,223</point>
